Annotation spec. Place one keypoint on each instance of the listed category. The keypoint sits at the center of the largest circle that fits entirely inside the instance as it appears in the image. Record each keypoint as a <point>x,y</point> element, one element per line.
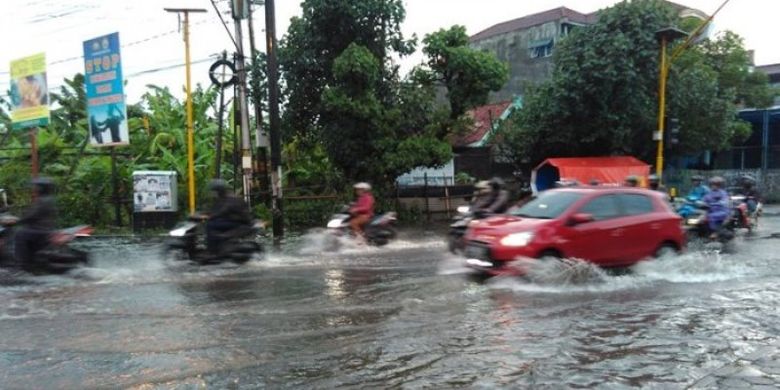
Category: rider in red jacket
<point>363,209</point>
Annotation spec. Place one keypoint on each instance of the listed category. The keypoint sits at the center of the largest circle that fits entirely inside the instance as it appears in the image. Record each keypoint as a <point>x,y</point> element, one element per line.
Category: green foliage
<point>467,74</point>
<point>602,97</point>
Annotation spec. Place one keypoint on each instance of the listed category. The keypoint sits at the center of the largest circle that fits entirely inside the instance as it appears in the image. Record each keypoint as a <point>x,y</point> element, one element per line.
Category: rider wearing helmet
<point>654,183</point>
<point>37,222</point>
<point>362,209</point>
<point>751,194</point>
<point>717,201</point>
<point>698,189</point>
<point>227,213</point>
<point>632,181</point>
<point>497,200</point>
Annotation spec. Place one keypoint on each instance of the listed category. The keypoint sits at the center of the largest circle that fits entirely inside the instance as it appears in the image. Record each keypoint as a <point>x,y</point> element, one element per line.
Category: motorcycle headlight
<point>334,223</point>
<point>180,232</point>
<point>517,239</point>
<point>692,221</point>
<point>463,209</point>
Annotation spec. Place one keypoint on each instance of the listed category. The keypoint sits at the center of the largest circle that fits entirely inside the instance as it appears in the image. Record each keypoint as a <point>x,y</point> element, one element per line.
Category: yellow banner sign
<point>29,92</point>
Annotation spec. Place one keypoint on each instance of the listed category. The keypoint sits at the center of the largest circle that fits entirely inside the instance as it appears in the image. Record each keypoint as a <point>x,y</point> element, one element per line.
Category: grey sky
<point>151,41</point>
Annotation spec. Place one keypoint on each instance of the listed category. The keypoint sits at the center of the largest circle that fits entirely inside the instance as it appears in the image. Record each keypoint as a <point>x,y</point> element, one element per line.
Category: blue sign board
<point>106,107</point>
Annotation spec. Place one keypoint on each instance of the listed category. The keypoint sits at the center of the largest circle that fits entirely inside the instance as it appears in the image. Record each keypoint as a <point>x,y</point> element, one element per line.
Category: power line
<point>130,44</point>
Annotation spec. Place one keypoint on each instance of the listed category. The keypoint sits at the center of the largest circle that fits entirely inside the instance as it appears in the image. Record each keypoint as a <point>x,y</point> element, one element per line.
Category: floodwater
<point>406,315</point>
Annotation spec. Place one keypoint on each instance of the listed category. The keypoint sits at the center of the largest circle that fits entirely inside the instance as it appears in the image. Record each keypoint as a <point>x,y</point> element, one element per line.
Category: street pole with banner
<point>190,127</point>
<point>30,100</point>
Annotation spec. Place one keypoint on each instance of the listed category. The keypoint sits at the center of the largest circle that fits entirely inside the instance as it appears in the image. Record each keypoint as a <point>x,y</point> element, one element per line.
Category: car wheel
<point>665,250</point>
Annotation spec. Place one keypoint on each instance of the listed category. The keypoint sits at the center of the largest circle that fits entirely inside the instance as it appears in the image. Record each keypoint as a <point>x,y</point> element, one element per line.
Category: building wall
<point>513,48</point>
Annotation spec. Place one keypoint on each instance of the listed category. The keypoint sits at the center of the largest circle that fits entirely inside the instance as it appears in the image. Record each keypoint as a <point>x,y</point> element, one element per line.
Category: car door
<point>598,240</point>
<point>641,227</point>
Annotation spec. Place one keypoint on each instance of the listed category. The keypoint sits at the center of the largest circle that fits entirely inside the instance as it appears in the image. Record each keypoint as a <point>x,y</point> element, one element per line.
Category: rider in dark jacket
<point>497,200</point>
<point>751,194</point>
<point>37,222</point>
<point>227,213</point>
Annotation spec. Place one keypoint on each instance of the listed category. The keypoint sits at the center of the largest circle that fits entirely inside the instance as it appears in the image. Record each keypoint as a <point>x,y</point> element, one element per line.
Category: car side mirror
<point>580,218</point>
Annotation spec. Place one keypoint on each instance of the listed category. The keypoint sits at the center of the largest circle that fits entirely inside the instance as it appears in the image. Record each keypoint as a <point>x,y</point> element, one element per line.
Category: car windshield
<point>548,205</point>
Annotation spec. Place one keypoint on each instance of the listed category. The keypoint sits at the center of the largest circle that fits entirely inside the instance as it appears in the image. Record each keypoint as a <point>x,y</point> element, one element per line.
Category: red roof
<point>534,20</point>
<point>483,117</point>
<point>606,170</point>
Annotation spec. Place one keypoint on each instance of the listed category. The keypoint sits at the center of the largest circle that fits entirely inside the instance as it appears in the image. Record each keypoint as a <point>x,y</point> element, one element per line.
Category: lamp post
<point>190,129</point>
<point>665,36</point>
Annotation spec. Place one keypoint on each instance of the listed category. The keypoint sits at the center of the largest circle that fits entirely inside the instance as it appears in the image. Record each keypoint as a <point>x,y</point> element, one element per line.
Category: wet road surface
<point>402,316</point>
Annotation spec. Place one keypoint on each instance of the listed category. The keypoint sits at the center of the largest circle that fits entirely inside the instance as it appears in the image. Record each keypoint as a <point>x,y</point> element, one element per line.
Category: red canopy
<point>606,170</point>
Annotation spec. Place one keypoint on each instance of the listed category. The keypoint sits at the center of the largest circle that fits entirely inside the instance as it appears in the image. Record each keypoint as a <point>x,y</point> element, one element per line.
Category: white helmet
<point>362,186</point>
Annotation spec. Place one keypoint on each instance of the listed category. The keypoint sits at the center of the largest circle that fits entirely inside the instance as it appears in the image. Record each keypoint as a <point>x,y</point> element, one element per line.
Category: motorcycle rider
<point>632,181</point>
<point>497,200</point>
<point>227,213</point>
<point>751,194</point>
<point>698,189</point>
<point>717,201</point>
<point>481,193</point>
<point>37,223</point>
<point>362,210</point>
<point>654,183</point>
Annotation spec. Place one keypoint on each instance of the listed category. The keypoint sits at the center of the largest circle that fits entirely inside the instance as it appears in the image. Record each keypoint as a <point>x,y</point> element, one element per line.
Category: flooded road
<point>402,316</point>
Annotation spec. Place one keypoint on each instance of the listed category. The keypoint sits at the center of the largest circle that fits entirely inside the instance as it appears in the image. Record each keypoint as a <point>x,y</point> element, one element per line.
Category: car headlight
<point>517,239</point>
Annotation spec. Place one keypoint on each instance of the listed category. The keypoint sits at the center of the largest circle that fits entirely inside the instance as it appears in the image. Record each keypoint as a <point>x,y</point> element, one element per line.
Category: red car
<point>610,227</point>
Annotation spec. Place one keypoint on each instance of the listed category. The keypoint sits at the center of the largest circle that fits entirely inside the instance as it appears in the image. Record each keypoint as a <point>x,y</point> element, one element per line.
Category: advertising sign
<point>154,191</point>
<point>29,92</point>
<point>106,109</point>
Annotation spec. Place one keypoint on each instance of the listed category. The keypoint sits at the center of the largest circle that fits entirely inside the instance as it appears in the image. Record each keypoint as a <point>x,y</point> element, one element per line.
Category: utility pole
<point>246,152</point>
<point>190,127</point>
<point>261,140</point>
<point>273,110</point>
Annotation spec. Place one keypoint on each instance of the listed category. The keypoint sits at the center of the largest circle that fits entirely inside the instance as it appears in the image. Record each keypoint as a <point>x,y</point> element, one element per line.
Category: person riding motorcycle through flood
<point>632,181</point>
<point>37,223</point>
<point>362,210</point>
<point>717,201</point>
<point>497,201</point>
<point>228,212</point>
<point>654,183</point>
<point>751,194</point>
<point>698,189</point>
<point>481,193</point>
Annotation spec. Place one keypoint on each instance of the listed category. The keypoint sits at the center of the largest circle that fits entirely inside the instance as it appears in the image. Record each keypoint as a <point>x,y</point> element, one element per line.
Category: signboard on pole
<point>29,92</point>
<point>154,191</point>
<point>106,109</point>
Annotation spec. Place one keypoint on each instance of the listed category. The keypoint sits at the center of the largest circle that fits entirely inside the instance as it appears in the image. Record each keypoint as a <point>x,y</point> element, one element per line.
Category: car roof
<point>598,190</point>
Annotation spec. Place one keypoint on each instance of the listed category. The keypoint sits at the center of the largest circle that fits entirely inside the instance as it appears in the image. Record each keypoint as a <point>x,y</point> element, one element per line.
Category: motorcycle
<point>238,245</point>
<point>697,227</point>
<point>378,232</point>
<point>56,258</point>
<point>743,217</point>
<point>458,229</point>
<point>688,206</point>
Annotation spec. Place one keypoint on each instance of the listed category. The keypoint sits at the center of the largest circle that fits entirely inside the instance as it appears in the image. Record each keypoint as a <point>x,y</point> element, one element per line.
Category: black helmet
<point>747,179</point>
<point>652,179</point>
<point>632,180</point>
<point>496,183</point>
<point>43,185</point>
<point>219,186</point>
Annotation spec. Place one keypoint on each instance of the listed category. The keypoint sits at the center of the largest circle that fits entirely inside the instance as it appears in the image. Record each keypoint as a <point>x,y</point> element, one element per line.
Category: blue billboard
<point>106,109</point>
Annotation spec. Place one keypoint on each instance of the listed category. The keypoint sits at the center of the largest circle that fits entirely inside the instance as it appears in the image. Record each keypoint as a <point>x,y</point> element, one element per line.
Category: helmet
<point>482,185</point>
<point>594,182</point>
<point>632,180</point>
<point>717,180</point>
<point>218,185</point>
<point>43,185</point>
<point>747,179</point>
<point>496,183</point>
<point>697,178</point>
<point>362,186</point>
<point>653,179</point>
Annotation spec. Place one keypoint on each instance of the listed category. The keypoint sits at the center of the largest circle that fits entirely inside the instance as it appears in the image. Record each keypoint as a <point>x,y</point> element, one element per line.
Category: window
<point>634,204</point>
<point>541,49</point>
<point>601,208</point>
<point>548,205</point>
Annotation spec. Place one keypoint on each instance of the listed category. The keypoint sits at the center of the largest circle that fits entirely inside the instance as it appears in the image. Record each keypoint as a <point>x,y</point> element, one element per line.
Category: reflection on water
<point>403,316</point>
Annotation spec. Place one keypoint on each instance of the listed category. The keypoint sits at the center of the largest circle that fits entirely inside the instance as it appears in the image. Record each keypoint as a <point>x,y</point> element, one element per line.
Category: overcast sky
<point>151,42</point>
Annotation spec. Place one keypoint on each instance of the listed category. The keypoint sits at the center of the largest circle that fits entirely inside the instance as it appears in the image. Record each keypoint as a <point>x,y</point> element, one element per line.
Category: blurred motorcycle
<point>743,218</point>
<point>238,245</point>
<point>378,232</point>
<point>56,258</point>
<point>697,227</point>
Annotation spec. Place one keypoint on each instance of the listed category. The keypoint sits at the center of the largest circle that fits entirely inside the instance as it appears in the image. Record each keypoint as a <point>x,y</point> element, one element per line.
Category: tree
<point>467,74</point>
<point>602,97</point>
<point>319,36</point>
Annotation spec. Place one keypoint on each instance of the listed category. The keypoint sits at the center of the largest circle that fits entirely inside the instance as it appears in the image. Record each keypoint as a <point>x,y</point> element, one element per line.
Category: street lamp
<point>190,129</point>
<point>665,36</point>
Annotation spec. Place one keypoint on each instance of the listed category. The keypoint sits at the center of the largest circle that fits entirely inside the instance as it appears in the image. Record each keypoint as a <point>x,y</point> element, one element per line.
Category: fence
<point>767,181</point>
